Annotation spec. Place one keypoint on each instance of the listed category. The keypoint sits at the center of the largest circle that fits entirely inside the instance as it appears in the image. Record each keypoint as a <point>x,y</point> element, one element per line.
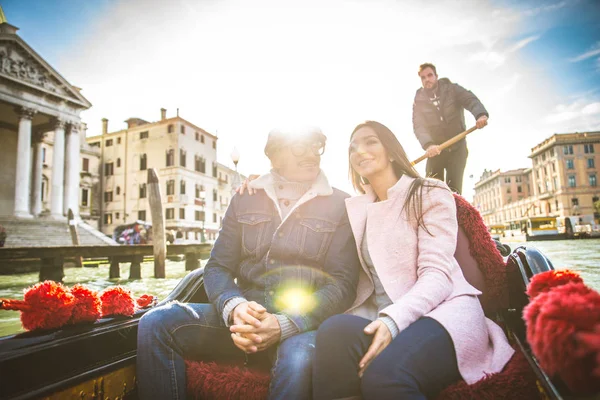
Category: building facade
<point>41,134</point>
<point>562,182</point>
<point>499,194</point>
<point>185,158</point>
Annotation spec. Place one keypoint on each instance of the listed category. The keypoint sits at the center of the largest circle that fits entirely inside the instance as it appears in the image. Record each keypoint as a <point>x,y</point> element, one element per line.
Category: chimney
<point>104,126</point>
<point>163,114</point>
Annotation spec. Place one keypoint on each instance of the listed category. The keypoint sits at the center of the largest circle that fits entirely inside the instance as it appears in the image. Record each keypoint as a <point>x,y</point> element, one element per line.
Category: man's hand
<point>252,339</point>
<point>244,186</point>
<point>433,150</point>
<point>481,121</point>
<point>249,313</point>
<point>382,337</point>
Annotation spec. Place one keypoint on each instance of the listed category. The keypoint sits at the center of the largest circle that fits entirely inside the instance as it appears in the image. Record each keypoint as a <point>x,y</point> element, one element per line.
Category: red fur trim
<point>554,319</point>
<point>589,344</point>
<point>117,301</point>
<point>210,381</point>
<point>88,307</point>
<point>484,251</point>
<point>545,281</point>
<point>51,306</point>
<point>516,381</point>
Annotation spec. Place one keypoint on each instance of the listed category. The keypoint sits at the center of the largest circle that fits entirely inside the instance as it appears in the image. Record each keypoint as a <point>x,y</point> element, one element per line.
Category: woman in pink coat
<point>416,325</point>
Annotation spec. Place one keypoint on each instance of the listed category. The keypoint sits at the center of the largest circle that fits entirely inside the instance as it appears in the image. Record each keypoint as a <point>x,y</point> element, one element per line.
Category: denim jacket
<point>258,257</point>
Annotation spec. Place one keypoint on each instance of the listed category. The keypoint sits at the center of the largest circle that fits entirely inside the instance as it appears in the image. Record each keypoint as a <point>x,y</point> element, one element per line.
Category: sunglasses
<point>300,148</point>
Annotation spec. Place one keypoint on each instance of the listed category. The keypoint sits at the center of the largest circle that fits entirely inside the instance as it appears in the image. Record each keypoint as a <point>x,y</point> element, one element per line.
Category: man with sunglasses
<point>284,261</point>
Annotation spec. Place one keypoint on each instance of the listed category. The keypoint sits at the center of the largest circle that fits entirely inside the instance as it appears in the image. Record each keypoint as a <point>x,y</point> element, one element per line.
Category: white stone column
<point>58,170</point>
<point>36,198</point>
<point>72,168</point>
<point>23,171</point>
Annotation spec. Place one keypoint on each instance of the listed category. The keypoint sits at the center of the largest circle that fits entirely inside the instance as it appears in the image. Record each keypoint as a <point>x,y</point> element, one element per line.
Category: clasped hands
<point>253,329</point>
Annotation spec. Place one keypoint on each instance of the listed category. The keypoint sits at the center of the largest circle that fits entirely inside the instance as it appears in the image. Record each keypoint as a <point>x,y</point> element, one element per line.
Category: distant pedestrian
<point>438,115</point>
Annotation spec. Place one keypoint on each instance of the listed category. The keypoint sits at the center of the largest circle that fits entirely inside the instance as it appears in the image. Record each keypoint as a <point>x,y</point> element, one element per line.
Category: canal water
<point>582,256</point>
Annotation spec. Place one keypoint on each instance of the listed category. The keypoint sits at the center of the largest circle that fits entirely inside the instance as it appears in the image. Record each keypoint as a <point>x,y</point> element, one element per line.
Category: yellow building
<point>500,195</point>
<point>185,158</point>
<point>562,182</point>
<point>565,174</point>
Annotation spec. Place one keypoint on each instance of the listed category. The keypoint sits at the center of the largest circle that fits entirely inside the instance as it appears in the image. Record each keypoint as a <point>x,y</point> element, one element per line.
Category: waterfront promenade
<point>582,256</point>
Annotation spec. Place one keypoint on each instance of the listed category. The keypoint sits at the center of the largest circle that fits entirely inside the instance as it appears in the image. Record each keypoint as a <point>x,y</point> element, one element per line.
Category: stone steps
<point>42,232</point>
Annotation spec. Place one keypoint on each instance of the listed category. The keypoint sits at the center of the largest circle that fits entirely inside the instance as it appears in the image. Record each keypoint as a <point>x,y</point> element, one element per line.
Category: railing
<point>52,258</point>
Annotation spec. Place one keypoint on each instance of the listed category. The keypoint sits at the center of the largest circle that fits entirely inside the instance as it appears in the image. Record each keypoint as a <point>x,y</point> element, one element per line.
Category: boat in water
<point>98,360</point>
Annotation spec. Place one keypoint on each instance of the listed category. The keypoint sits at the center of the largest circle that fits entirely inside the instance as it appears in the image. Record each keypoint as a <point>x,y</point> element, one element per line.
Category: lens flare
<point>296,300</point>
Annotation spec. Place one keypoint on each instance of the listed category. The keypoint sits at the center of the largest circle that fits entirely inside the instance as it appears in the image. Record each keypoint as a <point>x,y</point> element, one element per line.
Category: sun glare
<point>297,300</point>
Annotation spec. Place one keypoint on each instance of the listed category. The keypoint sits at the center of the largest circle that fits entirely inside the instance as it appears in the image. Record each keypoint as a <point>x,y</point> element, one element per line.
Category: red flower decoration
<point>88,307</point>
<point>45,305</point>
<point>117,301</point>
<point>145,300</point>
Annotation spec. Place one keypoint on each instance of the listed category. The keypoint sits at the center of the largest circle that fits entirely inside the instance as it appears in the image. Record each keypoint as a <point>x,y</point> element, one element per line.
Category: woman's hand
<point>382,337</point>
<point>244,186</point>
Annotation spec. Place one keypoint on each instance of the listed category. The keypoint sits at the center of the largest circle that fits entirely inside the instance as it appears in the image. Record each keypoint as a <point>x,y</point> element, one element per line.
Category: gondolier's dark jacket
<point>435,127</point>
<point>313,249</point>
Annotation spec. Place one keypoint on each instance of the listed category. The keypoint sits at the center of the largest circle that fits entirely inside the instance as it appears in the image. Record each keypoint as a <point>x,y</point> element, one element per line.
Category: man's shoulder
<point>334,202</point>
<point>243,200</point>
<point>420,92</point>
<point>339,194</point>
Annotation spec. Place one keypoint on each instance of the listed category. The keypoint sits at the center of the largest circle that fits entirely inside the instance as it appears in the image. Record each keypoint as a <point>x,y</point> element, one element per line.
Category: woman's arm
<point>435,259</point>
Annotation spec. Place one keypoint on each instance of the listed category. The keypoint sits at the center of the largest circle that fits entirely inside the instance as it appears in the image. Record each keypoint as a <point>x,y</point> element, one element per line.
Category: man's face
<point>428,78</point>
<point>299,161</point>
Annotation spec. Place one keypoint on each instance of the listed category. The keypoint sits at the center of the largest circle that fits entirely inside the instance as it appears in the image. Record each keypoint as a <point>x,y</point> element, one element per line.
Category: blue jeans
<point>169,334</point>
<point>418,364</point>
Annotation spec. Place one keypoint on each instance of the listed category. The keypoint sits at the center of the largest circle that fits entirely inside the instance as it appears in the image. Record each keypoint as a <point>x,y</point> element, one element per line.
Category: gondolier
<point>438,116</point>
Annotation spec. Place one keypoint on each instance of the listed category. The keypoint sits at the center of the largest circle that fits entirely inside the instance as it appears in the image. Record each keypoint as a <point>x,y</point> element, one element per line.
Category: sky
<point>238,68</point>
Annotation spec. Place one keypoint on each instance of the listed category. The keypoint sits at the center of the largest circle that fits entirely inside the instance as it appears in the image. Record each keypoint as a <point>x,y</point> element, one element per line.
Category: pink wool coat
<point>421,276</point>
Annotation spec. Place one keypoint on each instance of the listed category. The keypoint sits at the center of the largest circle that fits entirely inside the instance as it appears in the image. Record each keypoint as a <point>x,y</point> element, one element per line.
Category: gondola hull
<point>98,360</point>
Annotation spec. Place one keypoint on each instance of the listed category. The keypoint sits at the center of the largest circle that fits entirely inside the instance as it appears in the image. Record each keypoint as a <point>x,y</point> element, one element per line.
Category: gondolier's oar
<point>447,143</point>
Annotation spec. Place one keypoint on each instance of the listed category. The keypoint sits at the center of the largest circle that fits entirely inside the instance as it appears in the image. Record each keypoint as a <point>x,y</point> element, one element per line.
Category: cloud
<point>532,12</point>
<point>593,52</point>
<point>524,42</point>
<point>492,59</point>
<point>581,114</point>
<point>496,58</point>
<point>593,108</point>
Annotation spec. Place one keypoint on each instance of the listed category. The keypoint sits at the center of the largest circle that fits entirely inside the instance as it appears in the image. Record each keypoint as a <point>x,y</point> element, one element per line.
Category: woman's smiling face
<point>368,157</point>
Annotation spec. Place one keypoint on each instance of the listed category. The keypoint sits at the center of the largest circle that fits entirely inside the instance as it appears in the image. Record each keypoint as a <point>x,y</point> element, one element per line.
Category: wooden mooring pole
<point>74,236</point>
<point>159,242</point>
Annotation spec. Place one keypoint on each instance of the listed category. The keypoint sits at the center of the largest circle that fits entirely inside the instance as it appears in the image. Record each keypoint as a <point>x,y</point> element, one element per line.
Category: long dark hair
<point>401,166</point>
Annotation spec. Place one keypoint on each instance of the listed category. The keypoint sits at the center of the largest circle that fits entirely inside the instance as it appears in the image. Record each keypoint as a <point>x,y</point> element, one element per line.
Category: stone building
<point>185,158</point>
<point>228,180</point>
<point>499,191</point>
<point>561,182</point>
<point>41,134</point>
